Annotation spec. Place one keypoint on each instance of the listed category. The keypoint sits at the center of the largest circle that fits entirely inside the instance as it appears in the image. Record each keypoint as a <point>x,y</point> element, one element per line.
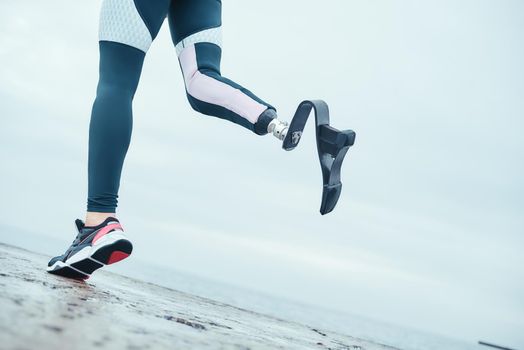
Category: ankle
<point>96,218</point>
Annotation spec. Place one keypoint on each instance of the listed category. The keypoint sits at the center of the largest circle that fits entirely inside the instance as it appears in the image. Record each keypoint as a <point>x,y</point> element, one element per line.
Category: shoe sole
<point>108,250</point>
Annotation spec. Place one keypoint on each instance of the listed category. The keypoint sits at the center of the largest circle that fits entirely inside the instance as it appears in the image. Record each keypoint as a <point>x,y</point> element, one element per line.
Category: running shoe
<point>93,248</point>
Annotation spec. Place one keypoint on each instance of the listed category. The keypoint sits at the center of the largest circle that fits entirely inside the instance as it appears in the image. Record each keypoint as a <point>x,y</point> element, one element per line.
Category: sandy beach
<point>109,311</point>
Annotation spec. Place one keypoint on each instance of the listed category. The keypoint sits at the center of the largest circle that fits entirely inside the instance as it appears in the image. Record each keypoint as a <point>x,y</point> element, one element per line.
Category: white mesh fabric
<point>120,22</point>
<point>212,35</point>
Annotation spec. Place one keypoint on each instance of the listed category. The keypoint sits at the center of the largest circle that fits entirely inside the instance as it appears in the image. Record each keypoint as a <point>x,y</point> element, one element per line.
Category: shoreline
<point>110,310</point>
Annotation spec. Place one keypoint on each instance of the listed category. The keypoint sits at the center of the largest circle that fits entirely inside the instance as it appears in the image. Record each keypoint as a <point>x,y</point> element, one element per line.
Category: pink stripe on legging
<point>210,90</point>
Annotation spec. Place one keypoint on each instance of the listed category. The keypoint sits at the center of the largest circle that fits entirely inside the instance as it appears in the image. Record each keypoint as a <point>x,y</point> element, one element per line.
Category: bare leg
<point>96,218</point>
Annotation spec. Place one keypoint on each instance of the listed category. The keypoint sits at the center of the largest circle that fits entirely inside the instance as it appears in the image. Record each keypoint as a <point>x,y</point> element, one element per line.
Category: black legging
<point>127,29</point>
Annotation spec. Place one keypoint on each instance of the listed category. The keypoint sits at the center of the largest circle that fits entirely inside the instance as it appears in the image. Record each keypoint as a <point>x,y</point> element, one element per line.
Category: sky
<point>428,230</point>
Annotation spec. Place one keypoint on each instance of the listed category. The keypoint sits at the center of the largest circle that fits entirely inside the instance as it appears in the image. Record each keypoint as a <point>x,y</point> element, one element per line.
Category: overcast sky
<point>428,230</point>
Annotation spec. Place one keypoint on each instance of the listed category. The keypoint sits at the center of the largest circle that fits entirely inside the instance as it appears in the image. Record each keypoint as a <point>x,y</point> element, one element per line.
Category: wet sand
<point>109,311</point>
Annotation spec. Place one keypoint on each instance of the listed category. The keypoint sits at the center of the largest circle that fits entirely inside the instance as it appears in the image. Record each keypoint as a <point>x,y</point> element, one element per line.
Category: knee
<point>195,84</point>
<point>193,102</point>
<point>200,89</point>
<point>109,91</point>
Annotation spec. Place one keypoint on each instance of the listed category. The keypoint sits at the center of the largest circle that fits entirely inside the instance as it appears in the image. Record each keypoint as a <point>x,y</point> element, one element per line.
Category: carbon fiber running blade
<point>332,146</point>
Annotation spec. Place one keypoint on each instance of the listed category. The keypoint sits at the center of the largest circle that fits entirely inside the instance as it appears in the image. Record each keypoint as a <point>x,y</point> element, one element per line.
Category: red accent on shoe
<point>116,257</point>
<point>105,230</point>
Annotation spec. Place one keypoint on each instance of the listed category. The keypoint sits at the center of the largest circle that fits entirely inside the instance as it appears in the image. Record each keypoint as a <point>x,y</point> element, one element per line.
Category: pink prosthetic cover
<point>207,89</point>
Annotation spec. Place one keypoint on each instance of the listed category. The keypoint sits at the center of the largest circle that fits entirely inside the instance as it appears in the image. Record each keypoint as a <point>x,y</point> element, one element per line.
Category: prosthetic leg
<point>332,146</point>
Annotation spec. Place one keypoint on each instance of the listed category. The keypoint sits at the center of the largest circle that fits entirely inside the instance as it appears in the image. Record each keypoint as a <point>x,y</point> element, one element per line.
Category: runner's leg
<point>127,29</point>
<point>196,32</point>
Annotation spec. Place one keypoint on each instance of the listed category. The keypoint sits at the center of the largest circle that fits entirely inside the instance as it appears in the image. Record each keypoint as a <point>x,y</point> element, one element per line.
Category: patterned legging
<point>127,29</point>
